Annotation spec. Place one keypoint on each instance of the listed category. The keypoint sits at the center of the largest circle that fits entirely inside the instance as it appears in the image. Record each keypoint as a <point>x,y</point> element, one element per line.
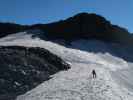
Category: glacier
<point>114,73</point>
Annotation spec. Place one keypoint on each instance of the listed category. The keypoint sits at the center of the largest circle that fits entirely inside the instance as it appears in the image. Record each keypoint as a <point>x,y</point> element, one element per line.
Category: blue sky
<point>44,11</point>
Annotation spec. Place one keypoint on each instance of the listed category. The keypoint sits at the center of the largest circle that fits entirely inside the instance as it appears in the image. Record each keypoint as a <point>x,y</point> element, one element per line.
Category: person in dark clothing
<point>93,73</point>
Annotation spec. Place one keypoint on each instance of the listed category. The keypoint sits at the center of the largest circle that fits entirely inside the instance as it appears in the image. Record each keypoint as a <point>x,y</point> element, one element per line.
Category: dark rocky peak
<point>87,26</point>
<point>80,26</point>
<point>88,17</point>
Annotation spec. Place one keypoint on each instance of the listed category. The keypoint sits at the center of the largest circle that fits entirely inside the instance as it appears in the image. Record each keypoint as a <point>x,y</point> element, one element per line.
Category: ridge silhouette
<point>82,25</point>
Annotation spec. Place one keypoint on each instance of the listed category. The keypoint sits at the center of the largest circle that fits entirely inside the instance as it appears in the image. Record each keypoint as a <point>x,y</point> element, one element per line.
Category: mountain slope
<point>82,25</point>
<point>85,26</point>
<point>23,68</point>
<point>114,73</point>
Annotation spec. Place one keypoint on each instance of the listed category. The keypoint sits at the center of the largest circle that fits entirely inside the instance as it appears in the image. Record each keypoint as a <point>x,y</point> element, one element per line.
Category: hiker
<point>93,73</point>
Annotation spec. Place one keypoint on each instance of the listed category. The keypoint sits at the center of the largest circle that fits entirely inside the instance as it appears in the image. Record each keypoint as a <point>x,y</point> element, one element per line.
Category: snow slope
<point>114,74</point>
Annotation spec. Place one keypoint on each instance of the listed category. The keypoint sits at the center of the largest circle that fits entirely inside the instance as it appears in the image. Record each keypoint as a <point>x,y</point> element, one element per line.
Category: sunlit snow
<point>114,75</point>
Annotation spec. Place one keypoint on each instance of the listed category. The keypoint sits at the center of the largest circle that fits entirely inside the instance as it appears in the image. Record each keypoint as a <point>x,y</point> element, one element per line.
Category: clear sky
<point>119,12</point>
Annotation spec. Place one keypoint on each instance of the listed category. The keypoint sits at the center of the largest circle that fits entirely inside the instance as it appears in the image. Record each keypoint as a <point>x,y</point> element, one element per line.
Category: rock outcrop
<point>23,68</point>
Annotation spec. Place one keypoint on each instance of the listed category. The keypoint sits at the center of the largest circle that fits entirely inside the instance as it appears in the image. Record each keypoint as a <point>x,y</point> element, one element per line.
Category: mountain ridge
<point>114,73</point>
<point>82,25</point>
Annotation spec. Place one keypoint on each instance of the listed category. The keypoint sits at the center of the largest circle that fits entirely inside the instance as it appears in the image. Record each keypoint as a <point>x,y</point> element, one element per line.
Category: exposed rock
<point>22,69</point>
<point>82,25</point>
<point>86,26</point>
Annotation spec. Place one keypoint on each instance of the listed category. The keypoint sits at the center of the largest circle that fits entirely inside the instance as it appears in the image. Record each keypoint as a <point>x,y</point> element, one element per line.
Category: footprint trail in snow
<point>78,84</point>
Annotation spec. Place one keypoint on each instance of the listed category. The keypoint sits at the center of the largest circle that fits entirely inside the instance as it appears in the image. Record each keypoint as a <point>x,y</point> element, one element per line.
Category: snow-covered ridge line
<point>77,82</point>
<point>23,39</point>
